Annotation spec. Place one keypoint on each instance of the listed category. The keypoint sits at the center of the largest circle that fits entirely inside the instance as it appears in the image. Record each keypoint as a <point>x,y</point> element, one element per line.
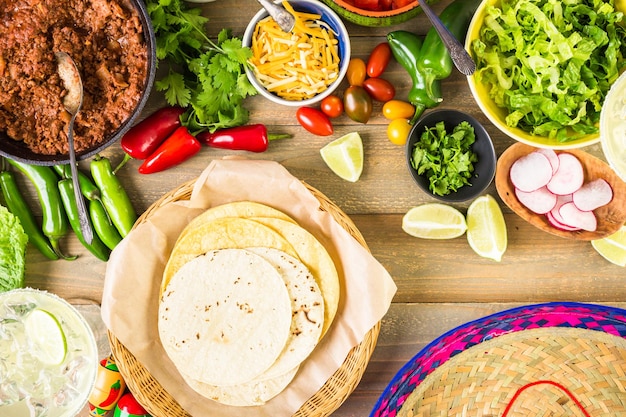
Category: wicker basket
<point>159,403</point>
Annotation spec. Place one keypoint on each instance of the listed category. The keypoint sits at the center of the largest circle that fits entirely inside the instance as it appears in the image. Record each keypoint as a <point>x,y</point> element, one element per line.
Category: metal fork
<point>461,59</point>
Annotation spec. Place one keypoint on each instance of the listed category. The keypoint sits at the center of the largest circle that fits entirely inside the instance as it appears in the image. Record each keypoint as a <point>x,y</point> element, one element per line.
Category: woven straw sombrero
<point>556,359</point>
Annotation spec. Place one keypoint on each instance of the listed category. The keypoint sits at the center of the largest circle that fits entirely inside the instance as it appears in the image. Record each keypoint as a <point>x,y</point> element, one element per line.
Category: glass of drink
<point>48,356</point>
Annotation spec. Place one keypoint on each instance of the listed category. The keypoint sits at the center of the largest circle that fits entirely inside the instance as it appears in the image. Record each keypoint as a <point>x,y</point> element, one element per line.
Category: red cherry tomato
<point>397,4</point>
<point>332,106</point>
<point>356,72</point>
<point>314,121</point>
<point>367,4</point>
<point>379,89</point>
<point>357,104</point>
<point>378,60</point>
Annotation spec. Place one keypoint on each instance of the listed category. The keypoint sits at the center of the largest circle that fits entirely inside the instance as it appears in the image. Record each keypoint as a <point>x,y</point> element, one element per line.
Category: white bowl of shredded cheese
<point>303,66</point>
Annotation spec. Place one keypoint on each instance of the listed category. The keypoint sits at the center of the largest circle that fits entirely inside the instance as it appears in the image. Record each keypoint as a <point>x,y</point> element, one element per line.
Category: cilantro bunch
<point>446,159</point>
<point>208,77</point>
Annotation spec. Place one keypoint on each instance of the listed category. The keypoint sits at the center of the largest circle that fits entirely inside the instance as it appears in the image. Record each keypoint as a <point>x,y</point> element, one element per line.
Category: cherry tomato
<point>379,89</point>
<point>332,106</point>
<point>356,72</point>
<point>367,4</point>
<point>378,60</point>
<point>314,121</point>
<point>397,4</point>
<point>357,104</point>
<point>398,131</point>
<point>398,109</point>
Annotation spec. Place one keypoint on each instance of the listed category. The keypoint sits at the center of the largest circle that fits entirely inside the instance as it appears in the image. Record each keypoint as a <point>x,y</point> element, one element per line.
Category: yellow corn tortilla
<point>221,233</point>
<point>242,209</point>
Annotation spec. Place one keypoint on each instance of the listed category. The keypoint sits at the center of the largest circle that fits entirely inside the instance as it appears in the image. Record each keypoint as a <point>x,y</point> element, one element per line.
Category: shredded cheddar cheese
<point>296,65</point>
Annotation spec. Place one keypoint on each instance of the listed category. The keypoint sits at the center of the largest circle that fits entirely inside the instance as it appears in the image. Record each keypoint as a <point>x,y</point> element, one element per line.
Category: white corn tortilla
<point>307,309</point>
<point>224,317</point>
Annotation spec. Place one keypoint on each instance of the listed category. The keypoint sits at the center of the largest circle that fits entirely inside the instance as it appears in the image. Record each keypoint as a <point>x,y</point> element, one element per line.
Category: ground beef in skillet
<point>105,39</point>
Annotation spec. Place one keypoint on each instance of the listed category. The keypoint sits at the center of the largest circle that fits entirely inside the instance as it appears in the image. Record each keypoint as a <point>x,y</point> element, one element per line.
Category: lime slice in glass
<point>344,156</point>
<point>46,334</point>
<point>486,229</point>
<point>434,221</point>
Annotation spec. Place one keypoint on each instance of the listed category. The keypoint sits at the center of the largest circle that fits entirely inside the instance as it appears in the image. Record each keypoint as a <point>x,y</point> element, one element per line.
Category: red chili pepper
<point>143,138</point>
<point>113,394</point>
<point>252,138</point>
<point>177,148</point>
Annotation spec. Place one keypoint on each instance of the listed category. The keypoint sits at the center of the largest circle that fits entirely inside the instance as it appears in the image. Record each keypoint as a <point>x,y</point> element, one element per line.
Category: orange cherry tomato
<point>398,131</point>
<point>332,106</point>
<point>356,72</point>
<point>379,89</point>
<point>398,109</point>
<point>378,60</point>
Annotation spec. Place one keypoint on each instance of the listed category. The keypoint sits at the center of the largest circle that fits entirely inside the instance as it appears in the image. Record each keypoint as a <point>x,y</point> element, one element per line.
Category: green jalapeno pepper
<point>406,47</point>
<point>105,229</point>
<point>54,223</point>
<point>100,220</point>
<point>114,196</point>
<point>89,190</point>
<point>434,61</point>
<point>18,206</point>
<point>96,247</point>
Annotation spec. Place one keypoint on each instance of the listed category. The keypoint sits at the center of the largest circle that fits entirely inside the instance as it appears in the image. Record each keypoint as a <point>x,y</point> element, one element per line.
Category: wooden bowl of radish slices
<point>567,193</point>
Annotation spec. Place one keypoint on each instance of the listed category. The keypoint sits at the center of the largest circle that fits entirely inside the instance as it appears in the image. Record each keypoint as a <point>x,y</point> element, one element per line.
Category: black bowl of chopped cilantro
<point>450,155</point>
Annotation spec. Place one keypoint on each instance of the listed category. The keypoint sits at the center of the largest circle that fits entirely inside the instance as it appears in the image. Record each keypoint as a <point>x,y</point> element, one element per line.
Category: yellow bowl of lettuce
<point>545,67</point>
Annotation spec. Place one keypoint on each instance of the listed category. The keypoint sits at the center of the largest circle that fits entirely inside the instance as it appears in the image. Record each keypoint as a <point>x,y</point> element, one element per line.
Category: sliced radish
<point>554,222</point>
<point>560,200</point>
<point>593,194</point>
<point>569,177</point>
<point>552,157</point>
<point>530,172</point>
<point>539,201</point>
<point>575,217</point>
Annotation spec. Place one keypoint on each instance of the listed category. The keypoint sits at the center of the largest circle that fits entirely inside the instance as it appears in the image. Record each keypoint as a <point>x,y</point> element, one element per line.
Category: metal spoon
<point>283,18</point>
<point>73,101</point>
<point>461,59</point>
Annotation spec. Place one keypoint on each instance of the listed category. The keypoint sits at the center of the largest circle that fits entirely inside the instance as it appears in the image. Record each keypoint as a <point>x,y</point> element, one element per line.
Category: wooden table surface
<point>441,284</point>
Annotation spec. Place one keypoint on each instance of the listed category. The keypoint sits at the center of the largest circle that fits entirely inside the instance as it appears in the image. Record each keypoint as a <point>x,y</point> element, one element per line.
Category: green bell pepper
<point>406,47</point>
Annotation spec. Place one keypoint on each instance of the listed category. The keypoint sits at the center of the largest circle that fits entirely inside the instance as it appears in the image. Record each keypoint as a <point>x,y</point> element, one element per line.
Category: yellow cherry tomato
<point>398,109</point>
<point>398,131</point>
<point>356,72</point>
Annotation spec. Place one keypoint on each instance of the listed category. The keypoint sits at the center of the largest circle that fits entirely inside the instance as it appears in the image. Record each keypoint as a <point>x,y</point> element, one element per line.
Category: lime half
<point>47,337</point>
<point>486,229</point>
<point>344,156</point>
<point>434,221</point>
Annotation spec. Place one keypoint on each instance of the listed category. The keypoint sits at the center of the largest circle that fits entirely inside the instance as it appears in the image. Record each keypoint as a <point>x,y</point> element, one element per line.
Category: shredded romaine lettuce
<point>550,63</point>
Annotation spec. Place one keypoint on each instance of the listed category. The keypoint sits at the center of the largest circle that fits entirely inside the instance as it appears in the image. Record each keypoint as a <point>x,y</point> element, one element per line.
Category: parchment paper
<point>134,272</point>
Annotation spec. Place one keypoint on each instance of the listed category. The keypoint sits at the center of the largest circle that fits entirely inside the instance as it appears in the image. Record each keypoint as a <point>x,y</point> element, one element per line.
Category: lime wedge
<point>613,247</point>
<point>344,156</point>
<point>47,337</point>
<point>486,229</point>
<point>434,221</point>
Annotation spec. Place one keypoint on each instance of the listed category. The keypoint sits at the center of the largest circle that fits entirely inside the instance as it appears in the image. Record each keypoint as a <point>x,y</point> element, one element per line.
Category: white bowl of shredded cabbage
<point>303,66</point>
<point>541,77</point>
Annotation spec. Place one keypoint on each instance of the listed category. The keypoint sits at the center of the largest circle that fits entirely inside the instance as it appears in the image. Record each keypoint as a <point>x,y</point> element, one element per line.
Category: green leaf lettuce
<point>13,241</point>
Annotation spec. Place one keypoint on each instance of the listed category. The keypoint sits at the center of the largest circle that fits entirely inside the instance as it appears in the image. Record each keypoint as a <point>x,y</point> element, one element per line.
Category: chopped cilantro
<point>208,77</point>
<point>446,159</point>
